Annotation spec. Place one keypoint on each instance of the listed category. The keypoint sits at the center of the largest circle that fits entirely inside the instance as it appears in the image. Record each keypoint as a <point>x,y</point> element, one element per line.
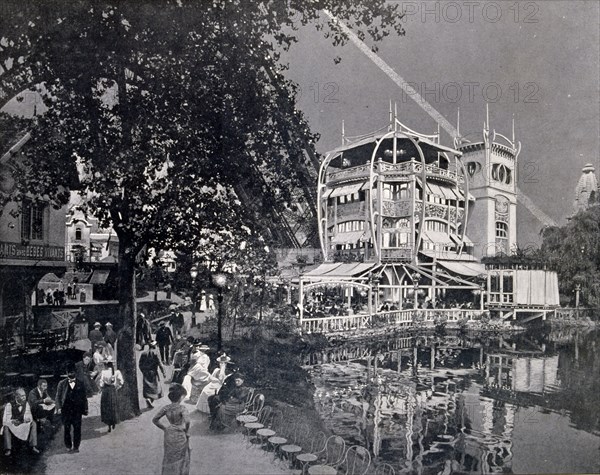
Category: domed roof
<point>586,191</point>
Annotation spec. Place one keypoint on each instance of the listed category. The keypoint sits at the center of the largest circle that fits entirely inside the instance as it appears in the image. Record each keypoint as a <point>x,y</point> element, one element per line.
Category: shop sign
<point>13,250</point>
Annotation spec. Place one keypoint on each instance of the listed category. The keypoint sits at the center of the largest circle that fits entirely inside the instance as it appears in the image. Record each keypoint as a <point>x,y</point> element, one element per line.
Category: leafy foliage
<point>175,115</point>
<point>573,251</point>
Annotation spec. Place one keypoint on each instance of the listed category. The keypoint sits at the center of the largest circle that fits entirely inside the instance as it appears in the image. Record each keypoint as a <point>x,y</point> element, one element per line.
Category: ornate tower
<point>491,168</point>
<point>586,192</point>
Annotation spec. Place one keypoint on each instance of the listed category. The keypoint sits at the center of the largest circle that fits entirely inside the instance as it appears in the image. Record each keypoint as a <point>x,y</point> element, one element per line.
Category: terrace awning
<point>436,237</point>
<point>467,269</point>
<point>346,190</point>
<point>457,240</point>
<point>351,237</point>
<point>339,270</point>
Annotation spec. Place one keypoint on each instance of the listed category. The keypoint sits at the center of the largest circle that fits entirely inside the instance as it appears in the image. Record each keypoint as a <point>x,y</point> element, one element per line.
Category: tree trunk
<point>126,361</point>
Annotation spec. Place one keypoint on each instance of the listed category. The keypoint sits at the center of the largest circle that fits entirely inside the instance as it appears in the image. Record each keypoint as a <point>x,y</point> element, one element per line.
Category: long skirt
<point>176,460</point>
<point>227,412</point>
<point>209,390</point>
<point>151,387</point>
<point>109,406</point>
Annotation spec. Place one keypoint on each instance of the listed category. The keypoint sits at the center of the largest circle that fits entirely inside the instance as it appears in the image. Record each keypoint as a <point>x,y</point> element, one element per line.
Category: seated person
<point>197,376</point>
<point>41,405</point>
<point>18,422</point>
<point>224,407</point>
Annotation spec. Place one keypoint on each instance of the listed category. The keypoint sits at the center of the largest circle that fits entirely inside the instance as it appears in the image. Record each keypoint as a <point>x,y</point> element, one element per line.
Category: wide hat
<point>201,346</point>
<point>224,358</point>
<point>108,324</point>
<point>97,324</point>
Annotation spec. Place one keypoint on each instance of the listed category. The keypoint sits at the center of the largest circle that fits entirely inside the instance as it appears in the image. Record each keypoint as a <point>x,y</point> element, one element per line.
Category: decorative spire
<point>458,122</point>
<point>390,128</point>
<point>343,133</point>
<point>513,129</point>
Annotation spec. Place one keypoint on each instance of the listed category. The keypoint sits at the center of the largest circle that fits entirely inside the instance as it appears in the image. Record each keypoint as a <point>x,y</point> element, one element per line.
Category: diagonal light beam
<point>433,113</point>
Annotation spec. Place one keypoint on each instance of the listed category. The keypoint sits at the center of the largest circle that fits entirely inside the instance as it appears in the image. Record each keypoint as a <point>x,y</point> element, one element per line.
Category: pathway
<point>135,447</point>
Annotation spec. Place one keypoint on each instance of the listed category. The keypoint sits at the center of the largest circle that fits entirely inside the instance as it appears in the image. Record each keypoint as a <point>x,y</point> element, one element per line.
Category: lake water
<point>454,403</point>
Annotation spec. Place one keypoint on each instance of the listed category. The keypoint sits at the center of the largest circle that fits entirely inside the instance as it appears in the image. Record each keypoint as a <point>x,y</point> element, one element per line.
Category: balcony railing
<point>404,254</point>
<point>386,167</point>
<point>351,255</point>
<point>393,318</point>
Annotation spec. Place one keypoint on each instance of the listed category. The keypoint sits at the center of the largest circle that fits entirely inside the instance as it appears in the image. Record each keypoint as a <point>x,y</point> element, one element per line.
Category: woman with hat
<point>231,404</point>
<point>110,381</point>
<point>216,380</point>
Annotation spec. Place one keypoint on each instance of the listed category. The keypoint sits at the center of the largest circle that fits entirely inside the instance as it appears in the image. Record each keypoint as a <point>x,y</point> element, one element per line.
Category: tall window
<point>501,230</point>
<point>32,221</point>
<point>395,191</point>
<point>501,237</point>
<point>78,234</point>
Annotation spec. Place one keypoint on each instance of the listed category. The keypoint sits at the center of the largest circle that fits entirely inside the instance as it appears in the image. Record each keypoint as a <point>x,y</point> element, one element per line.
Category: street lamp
<point>193,275</point>
<point>219,281</point>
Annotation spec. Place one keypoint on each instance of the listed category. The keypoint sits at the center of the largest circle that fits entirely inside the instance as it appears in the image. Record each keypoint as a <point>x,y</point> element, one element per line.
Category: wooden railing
<point>389,318</point>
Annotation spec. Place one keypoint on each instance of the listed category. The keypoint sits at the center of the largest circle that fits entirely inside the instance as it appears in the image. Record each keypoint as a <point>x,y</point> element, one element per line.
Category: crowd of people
<point>220,393</point>
<point>215,387</point>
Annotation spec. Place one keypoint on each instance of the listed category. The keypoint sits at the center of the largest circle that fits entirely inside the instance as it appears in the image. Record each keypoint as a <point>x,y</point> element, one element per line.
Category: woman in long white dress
<point>217,378</point>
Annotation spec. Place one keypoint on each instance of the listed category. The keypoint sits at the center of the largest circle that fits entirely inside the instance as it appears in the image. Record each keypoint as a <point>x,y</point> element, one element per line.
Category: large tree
<point>573,250</point>
<point>175,113</point>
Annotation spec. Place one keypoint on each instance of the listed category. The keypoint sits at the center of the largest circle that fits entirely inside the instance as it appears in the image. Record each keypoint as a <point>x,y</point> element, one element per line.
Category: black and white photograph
<point>299,237</point>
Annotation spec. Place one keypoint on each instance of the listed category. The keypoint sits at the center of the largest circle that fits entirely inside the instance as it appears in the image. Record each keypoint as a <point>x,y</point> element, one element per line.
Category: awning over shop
<point>351,237</point>
<point>346,190</point>
<point>100,276</point>
<point>468,269</point>
<point>339,270</point>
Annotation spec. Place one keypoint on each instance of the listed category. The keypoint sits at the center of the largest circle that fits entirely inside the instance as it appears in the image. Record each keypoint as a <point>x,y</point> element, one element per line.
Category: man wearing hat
<point>95,336</point>
<point>72,403</point>
<point>142,331</point>
<point>164,338</point>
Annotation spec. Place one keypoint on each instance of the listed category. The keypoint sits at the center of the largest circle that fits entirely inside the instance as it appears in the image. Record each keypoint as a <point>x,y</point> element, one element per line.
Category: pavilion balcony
<point>396,255</point>
<point>386,168</point>
<point>351,255</point>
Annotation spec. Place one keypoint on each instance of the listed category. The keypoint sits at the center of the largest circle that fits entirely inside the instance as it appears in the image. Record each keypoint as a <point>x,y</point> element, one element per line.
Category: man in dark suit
<point>71,402</point>
<point>42,405</point>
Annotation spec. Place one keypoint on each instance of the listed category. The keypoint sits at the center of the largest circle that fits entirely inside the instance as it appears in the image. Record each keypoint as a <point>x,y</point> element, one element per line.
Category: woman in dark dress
<point>149,366</point>
<point>110,381</point>
<point>230,404</point>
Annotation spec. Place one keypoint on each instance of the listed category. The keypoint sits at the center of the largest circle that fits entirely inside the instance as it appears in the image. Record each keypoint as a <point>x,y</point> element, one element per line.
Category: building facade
<point>32,244</point>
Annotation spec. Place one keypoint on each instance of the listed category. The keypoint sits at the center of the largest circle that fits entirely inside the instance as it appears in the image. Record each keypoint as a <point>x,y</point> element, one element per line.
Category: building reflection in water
<point>434,404</point>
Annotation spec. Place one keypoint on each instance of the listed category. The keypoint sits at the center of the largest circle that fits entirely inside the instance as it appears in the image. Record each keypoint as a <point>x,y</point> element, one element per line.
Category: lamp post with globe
<point>220,282</point>
<point>193,275</point>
